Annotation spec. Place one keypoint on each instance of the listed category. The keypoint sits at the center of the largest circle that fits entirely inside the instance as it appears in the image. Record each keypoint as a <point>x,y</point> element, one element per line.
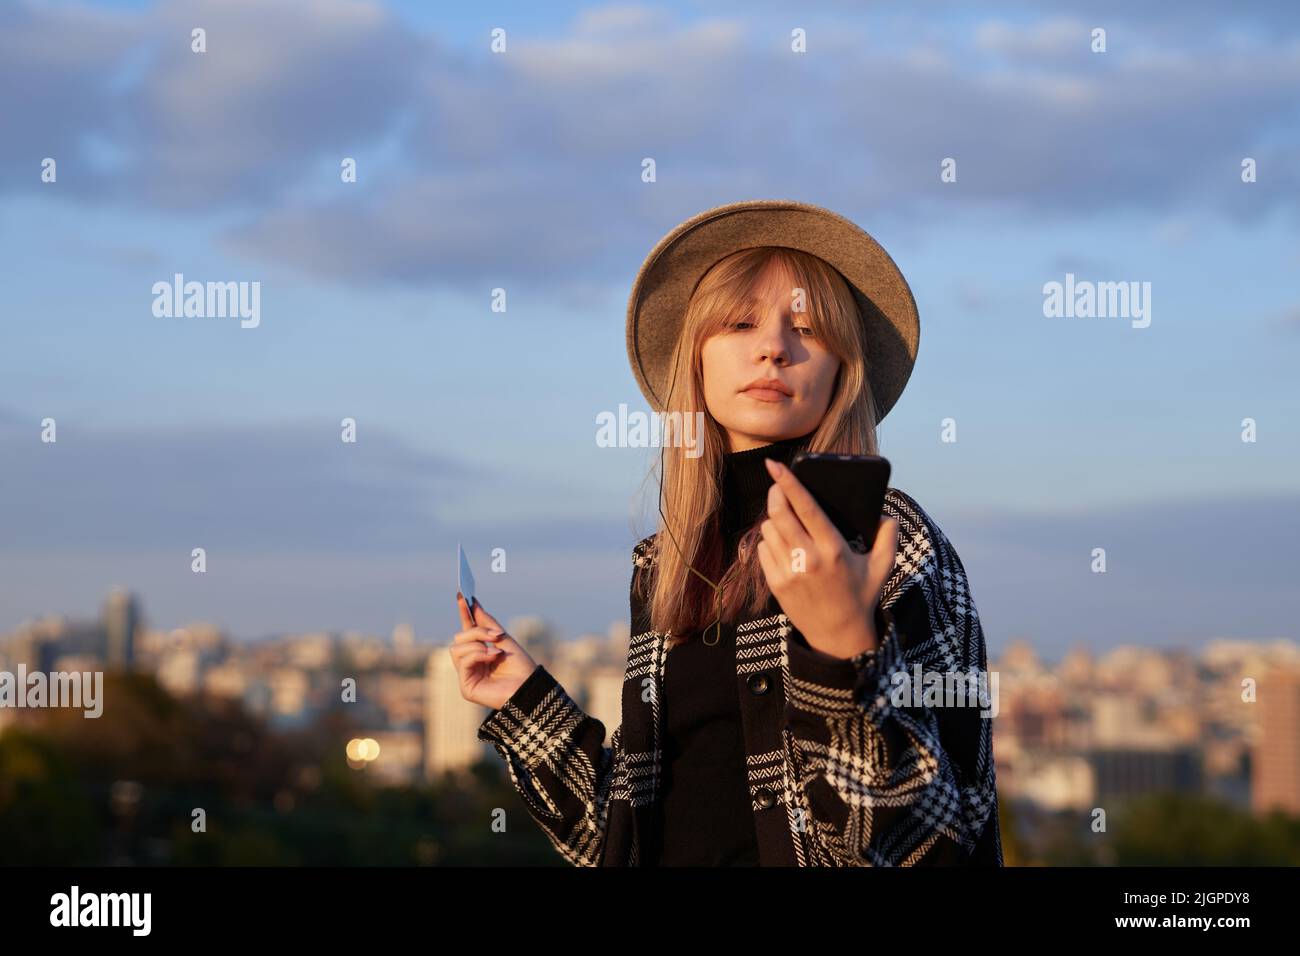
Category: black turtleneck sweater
<point>706,816</point>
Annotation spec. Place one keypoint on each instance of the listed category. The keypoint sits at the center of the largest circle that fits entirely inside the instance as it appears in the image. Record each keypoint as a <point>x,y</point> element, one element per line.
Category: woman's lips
<point>765,394</point>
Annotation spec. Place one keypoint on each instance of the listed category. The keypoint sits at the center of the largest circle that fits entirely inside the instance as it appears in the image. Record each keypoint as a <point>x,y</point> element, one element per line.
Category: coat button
<point>766,798</point>
<point>758,683</point>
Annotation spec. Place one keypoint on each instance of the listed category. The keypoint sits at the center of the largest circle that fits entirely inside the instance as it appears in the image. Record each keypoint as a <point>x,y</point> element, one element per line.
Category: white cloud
<point>1048,39</point>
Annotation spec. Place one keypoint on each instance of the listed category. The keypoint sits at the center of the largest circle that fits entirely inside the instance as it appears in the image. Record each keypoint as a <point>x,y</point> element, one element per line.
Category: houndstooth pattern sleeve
<point>557,762</point>
<point>886,780</point>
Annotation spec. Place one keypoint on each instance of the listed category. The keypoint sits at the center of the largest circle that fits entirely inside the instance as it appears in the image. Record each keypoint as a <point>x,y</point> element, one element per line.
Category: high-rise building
<point>1275,767</point>
<point>121,621</point>
<point>450,721</point>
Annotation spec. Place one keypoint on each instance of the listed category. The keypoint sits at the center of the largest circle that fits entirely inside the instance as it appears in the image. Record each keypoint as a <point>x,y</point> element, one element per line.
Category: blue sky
<point>522,171</point>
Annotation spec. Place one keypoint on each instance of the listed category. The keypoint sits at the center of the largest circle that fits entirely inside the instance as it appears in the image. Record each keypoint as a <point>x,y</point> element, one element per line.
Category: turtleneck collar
<point>745,483</point>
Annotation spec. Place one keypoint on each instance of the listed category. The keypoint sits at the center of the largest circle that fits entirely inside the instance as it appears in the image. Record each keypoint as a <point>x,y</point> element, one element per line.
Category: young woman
<point>768,713</point>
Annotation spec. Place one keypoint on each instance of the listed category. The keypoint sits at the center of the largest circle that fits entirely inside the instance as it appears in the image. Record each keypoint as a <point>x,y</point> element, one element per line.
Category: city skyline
<point>1072,733</point>
<point>1049,651</point>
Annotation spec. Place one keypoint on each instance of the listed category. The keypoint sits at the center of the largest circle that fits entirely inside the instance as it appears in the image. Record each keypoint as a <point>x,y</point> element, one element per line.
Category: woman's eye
<point>804,330</point>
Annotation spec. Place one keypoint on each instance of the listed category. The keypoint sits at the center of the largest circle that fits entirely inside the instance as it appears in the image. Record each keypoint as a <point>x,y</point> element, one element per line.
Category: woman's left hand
<point>827,589</point>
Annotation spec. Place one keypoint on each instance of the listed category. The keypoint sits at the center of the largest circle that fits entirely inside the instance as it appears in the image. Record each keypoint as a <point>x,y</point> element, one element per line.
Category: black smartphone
<point>849,488</point>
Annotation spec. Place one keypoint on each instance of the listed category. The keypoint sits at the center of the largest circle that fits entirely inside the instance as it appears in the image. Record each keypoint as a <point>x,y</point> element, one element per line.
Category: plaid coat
<point>842,772</point>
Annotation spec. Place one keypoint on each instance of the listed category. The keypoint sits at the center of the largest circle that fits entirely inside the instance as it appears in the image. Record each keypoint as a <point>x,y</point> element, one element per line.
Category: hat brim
<point>668,278</point>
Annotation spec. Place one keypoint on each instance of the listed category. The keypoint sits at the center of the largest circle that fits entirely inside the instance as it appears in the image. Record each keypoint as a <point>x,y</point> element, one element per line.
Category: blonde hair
<point>689,546</point>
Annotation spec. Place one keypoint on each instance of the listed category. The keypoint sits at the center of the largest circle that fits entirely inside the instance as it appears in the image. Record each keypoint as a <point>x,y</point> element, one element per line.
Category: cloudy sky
<point>522,170</point>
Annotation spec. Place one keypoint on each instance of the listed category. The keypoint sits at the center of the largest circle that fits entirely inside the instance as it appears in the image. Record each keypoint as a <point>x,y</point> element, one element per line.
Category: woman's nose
<point>775,347</point>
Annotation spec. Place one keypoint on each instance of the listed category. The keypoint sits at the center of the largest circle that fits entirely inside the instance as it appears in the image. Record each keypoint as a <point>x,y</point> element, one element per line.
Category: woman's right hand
<point>488,675</point>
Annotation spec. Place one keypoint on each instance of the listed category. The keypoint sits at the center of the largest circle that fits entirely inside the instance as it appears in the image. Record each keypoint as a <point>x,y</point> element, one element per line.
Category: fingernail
<point>773,466</point>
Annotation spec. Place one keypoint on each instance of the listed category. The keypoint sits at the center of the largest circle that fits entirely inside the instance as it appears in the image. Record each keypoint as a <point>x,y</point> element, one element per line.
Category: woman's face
<point>775,343</point>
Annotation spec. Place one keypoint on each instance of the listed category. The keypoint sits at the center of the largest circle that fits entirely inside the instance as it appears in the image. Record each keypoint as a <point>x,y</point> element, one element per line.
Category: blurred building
<point>1276,764</point>
<point>1134,771</point>
<point>400,700</point>
<point>1052,781</point>
<point>179,671</point>
<point>534,635</point>
<point>121,619</point>
<point>313,651</point>
<point>450,721</point>
<point>38,644</point>
<point>591,669</point>
<point>289,687</point>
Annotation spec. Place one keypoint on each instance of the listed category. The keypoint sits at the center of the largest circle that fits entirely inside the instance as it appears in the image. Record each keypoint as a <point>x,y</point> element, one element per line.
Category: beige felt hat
<point>669,275</point>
